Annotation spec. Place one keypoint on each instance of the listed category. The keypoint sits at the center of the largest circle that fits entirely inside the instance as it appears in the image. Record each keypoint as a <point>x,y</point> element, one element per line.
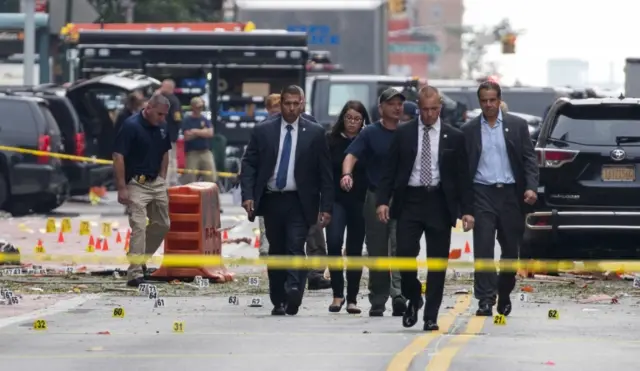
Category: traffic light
<point>397,6</point>
<point>509,43</point>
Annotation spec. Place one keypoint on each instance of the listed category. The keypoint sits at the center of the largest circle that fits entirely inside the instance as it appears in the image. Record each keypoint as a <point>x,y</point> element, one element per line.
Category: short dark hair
<point>292,90</point>
<point>429,91</point>
<point>490,85</point>
<point>355,105</point>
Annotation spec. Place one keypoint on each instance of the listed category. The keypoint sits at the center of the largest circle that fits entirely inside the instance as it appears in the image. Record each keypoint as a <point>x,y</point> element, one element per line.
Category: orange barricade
<point>194,210</point>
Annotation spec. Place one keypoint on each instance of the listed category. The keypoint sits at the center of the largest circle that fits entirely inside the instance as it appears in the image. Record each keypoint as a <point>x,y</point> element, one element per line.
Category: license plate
<point>618,173</point>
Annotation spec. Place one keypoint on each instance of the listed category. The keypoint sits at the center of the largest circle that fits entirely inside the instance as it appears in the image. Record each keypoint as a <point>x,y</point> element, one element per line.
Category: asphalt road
<point>82,334</point>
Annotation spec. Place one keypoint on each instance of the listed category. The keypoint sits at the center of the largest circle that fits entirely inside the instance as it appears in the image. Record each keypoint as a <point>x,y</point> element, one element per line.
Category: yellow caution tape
<point>290,262</point>
<point>64,156</point>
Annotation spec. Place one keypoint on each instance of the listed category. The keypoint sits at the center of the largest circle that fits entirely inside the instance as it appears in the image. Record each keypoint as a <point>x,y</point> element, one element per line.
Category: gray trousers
<point>381,242</point>
<point>316,246</point>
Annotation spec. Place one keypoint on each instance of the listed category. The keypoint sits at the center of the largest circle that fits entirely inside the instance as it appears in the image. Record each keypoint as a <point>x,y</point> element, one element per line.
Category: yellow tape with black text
<point>291,262</point>
<point>64,156</point>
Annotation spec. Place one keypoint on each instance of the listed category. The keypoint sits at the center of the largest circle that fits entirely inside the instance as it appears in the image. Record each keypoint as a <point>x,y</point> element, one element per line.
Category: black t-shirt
<point>337,147</point>
<point>174,118</point>
<point>372,146</point>
<point>142,145</point>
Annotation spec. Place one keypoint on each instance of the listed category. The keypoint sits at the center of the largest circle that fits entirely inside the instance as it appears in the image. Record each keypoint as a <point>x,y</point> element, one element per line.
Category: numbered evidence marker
<point>39,249</point>
<point>65,227</point>
<point>51,225</point>
<point>159,303</point>
<point>553,314</point>
<point>85,229</point>
<point>233,300</point>
<point>201,282</point>
<point>256,302</point>
<point>40,325</point>
<point>499,320</point>
<point>152,292</point>
<point>118,312</point>
<point>106,229</point>
<point>178,326</point>
<point>523,297</point>
<point>254,281</point>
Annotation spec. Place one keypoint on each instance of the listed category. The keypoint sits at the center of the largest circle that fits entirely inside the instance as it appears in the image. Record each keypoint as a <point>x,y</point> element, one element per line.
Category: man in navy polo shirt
<point>198,132</point>
<point>371,146</point>
<point>140,161</point>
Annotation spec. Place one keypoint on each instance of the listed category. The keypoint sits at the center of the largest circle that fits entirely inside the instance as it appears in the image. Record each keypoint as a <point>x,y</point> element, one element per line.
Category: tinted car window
<point>16,117</point>
<point>64,114</point>
<point>340,93</point>
<point>596,125</point>
<point>533,103</point>
<point>52,125</point>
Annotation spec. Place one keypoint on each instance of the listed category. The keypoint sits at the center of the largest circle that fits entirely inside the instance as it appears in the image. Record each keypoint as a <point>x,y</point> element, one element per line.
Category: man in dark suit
<point>286,178</point>
<point>504,169</point>
<point>426,174</point>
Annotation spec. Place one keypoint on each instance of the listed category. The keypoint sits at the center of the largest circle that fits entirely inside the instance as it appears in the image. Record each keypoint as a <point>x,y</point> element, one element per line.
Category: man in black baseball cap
<point>372,145</point>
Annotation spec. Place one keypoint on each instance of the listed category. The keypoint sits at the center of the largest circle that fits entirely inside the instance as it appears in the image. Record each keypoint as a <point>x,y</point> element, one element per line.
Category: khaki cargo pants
<point>202,161</point>
<point>148,200</point>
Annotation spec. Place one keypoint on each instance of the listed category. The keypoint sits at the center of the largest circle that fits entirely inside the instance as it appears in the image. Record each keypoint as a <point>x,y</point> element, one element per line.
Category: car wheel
<point>45,207</point>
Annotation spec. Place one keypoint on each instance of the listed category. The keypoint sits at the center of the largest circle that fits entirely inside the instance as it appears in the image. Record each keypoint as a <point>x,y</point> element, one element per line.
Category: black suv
<point>82,175</point>
<point>29,182</point>
<point>589,197</point>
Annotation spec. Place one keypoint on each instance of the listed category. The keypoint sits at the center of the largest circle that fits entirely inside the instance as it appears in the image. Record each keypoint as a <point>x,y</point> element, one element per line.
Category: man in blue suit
<point>286,178</point>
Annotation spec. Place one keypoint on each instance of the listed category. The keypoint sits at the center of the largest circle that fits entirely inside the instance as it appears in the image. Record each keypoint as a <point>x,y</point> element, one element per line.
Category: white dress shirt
<point>291,181</point>
<point>434,139</point>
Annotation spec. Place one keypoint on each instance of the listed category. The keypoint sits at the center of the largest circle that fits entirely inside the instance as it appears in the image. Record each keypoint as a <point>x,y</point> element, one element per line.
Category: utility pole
<point>29,48</point>
<point>128,6</point>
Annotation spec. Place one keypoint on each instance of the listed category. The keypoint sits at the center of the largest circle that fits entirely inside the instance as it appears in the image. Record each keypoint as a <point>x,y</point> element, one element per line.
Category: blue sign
<point>318,34</point>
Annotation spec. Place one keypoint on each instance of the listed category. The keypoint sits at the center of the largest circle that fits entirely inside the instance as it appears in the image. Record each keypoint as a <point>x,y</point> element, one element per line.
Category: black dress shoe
<point>377,312</point>
<point>321,284</point>
<point>336,308</point>
<point>136,282</point>
<point>410,316</point>
<point>504,305</point>
<point>430,325</point>
<point>399,306</point>
<point>484,310</point>
<point>294,299</point>
<point>278,311</point>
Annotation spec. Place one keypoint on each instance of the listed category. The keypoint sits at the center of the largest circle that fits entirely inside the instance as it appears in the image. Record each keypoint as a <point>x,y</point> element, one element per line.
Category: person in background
<point>371,146</point>
<point>174,118</point>
<point>272,104</point>
<point>132,105</point>
<point>503,107</point>
<point>409,111</point>
<point>348,206</point>
<point>198,132</point>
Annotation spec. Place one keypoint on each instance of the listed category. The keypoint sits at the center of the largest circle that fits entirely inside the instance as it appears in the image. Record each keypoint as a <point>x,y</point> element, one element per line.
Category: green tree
<point>161,11</point>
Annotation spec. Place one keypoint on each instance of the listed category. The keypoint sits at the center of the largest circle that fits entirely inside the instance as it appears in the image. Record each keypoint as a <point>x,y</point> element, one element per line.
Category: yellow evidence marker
<point>51,225</point>
<point>66,225</point>
<point>40,324</point>
<point>178,326</point>
<point>106,229</point>
<point>118,312</point>
<point>39,249</point>
<point>553,314</point>
<point>85,230</point>
<point>499,320</point>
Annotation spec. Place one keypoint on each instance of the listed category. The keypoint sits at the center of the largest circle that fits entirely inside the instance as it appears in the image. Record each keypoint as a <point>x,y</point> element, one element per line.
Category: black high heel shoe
<point>336,308</point>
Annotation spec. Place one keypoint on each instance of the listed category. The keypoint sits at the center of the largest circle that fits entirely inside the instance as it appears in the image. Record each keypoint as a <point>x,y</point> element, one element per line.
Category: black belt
<point>496,185</point>
<point>279,192</point>
<point>142,179</point>
<point>430,188</point>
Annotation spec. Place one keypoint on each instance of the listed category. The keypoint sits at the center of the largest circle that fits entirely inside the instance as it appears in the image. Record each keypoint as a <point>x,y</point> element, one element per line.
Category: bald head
<point>168,86</point>
<point>429,104</point>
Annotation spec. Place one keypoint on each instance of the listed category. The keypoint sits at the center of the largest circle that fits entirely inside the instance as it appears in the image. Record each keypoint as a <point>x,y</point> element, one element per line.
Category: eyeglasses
<point>353,118</point>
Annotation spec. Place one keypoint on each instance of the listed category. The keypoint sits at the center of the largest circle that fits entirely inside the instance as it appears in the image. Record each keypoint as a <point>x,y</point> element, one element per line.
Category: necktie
<point>425,158</point>
<point>283,167</point>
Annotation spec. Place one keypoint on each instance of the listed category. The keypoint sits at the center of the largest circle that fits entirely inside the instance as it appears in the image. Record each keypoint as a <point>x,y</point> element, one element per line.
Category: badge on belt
<point>142,179</point>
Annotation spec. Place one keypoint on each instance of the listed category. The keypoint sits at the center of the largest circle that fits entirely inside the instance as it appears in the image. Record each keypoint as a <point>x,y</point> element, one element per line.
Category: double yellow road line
<point>441,361</point>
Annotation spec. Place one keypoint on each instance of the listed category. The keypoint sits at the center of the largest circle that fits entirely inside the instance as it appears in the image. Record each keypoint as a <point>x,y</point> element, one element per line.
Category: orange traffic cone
<point>128,235</point>
<point>225,235</point>
<point>126,245</point>
<point>99,244</point>
<point>105,246</point>
<point>257,243</point>
<point>60,237</point>
<point>92,242</point>
<point>39,242</point>
<point>467,248</point>
<point>118,238</point>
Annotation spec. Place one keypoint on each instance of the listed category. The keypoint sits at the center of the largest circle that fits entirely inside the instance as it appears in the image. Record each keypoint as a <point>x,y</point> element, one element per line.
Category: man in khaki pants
<point>198,132</point>
<point>140,161</point>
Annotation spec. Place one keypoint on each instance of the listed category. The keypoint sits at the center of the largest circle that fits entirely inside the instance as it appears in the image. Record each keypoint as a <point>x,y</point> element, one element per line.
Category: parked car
<point>29,182</point>
<point>533,121</point>
<point>589,195</point>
